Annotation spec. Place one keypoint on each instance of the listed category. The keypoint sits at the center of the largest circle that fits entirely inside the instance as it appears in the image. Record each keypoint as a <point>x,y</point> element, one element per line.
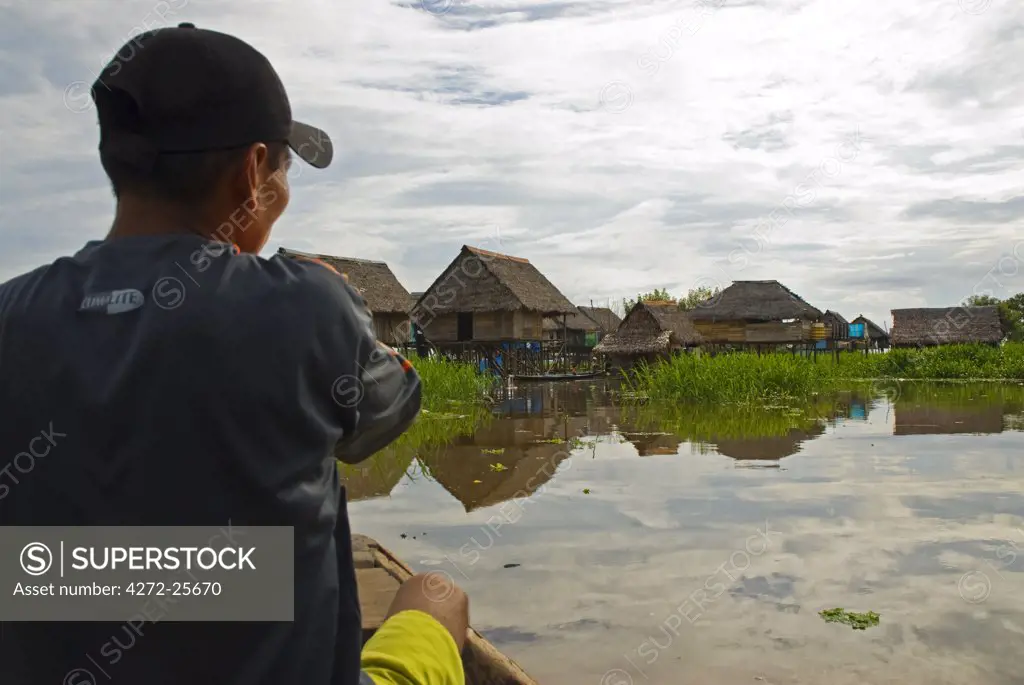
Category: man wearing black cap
<point>183,380</point>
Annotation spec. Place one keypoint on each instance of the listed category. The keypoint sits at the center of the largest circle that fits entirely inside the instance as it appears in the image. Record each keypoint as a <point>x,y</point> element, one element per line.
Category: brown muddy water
<point>683,545</point>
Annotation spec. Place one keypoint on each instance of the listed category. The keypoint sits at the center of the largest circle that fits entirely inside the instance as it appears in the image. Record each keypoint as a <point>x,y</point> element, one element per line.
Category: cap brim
<point>311,144</point>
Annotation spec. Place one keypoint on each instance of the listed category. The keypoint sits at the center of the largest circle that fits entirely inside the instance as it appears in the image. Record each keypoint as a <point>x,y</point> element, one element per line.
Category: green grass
<point>952,362</point>
<point>746,378</point>
<point>448,384</point>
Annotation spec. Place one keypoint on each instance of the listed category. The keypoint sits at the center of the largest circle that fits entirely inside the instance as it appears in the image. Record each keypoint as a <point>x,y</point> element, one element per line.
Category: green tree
<point>657,295</point>
<point>1011,313</point>
<point>697,295</point>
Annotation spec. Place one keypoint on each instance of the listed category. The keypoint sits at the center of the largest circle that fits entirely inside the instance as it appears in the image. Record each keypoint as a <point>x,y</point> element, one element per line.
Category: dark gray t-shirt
<point>174,381</point>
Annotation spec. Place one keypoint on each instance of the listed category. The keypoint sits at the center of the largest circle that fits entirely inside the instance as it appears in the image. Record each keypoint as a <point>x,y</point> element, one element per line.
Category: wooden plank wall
<point>739,332</point>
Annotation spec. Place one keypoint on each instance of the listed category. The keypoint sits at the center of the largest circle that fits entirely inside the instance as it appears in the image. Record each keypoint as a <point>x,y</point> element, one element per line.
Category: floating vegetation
<point>586,491</point>
<point>499,467</point>
<point>851,618</point>
<point>496,450</point>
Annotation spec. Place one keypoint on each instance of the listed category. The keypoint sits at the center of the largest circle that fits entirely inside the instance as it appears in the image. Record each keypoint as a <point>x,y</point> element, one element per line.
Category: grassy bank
<point>958,362</point>
<point>745,378</point>
<point>448,384</point>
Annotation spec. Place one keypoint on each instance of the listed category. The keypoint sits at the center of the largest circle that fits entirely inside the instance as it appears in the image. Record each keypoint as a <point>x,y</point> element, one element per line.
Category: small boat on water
<point>379,573</point>
<point>543,377</point>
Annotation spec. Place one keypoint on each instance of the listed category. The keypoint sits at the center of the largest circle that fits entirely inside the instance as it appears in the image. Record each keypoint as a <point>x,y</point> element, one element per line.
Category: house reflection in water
<point>654,444</point>
<point>775,447</point>
<point>530,438</point>
<point>375,477</point>
<point>771,448</point>
<point>468,468</point>
<point>918,419</point>
<point>958,409</point>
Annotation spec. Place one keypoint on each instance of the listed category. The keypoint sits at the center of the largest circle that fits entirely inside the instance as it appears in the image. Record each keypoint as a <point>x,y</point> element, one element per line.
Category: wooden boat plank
<point>377,588</point>
<point>483,663</point>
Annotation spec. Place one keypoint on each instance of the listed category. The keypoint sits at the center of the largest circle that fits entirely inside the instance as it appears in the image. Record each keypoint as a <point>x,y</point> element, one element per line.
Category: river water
<point>605,545</point>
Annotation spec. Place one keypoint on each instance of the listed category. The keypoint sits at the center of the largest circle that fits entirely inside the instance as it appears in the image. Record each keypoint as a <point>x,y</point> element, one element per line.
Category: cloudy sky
<point>868,155</point>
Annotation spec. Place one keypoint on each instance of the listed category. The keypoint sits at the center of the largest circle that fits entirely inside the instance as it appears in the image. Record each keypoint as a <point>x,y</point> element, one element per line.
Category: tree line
<point>689,301</point>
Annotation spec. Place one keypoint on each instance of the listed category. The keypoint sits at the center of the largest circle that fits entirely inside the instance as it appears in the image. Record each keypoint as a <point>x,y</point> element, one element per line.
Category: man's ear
<point>255,158</point>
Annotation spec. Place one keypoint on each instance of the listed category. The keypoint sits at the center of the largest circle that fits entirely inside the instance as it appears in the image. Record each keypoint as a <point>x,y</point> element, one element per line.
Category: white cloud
<point>489,114</point>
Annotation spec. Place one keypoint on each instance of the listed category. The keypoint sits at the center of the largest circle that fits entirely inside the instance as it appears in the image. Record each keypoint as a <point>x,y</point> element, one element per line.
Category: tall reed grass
<point>746,378</point>
<point>447,383</point>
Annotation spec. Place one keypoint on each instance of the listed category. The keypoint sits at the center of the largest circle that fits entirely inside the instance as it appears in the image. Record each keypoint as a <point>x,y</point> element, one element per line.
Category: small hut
<point>875,335</point>
<point>651,330</point>
<point>755,313</point>
<point>387,299</point>
<point>837,329</point>
<point>484,296</point>
<point>946,326</point>
<point>607,321</point>
<point>579,330</point>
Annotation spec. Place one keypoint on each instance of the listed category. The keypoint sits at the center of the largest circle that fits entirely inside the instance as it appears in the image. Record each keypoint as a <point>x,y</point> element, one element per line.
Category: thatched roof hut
<point>946,326</point>
<point>374,280</point>
<point>874,331</point>
<point>606,320</point>
<point>651,328</point>
<point>486,296</point>
<point>755,301</point>
<point>495,282</point>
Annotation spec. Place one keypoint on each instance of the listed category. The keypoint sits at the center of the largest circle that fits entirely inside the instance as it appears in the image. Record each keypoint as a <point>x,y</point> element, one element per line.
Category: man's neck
<point>147,218</point>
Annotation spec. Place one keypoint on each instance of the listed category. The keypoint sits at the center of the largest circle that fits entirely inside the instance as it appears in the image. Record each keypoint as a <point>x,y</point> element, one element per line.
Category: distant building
<point>651,330</point>
<point>755,313</point>
<point>387,299</point>
<point>946,326</point>
<point>607,321</point>
<point>875,335</point>
<point>489,297</point>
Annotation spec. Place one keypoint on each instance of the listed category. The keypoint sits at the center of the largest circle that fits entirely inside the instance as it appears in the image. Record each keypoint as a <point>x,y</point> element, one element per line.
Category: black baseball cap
<point>183,89</point>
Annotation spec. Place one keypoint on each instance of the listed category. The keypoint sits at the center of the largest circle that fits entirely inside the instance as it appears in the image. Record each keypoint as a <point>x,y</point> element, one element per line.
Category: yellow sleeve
<point>412,648</point>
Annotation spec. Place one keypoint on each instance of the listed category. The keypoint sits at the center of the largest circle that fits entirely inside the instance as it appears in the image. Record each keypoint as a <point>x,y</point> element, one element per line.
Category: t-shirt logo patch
<point>113,302</point>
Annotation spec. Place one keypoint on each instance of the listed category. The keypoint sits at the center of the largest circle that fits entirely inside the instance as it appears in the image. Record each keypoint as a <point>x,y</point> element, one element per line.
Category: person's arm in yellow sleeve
<point>420,642</point>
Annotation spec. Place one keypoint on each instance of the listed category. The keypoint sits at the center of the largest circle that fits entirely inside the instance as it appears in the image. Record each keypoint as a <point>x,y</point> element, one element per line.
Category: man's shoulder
<point>303,281</point>
<point>282,292</point>
<point>12,289</point>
